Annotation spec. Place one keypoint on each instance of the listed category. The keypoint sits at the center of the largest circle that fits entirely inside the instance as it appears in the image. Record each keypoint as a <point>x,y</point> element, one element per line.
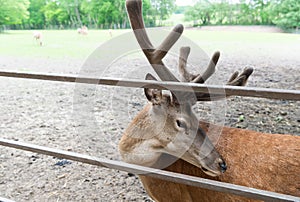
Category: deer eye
<point>181,124</point>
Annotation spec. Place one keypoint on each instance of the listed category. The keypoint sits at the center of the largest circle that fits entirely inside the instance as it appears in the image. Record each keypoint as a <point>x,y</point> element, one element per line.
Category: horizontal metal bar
<point>191,87</point>
<point>161,174</point>
<point>5,200</point>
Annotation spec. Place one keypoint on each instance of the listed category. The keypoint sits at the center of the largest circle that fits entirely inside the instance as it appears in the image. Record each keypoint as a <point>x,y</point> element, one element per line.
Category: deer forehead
<point>168,106</point>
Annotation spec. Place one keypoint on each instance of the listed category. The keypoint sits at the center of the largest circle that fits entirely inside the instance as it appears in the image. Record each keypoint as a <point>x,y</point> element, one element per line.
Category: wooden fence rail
<point>161,174</point>
<point>191,87</point>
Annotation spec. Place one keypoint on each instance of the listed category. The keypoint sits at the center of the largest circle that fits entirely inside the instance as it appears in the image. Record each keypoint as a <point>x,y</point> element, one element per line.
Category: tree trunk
<point>77,12</point>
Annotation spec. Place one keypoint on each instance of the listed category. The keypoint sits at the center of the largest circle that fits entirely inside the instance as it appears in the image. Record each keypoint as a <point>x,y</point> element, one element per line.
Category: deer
<point>38,36</point>
<point>83,30</point>
<point>167,134</point>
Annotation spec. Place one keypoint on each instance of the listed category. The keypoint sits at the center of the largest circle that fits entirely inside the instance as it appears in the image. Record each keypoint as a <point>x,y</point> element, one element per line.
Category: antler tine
<point>183,56</point>
<point>134,10</point>
<point>233,76</point>
<point>240,80</point>
<point>184,52</point>
<point>187,76</point>
<point>169,41</point>
<point>154,55</point>
<point>235,80</point>
<point>210,70</point>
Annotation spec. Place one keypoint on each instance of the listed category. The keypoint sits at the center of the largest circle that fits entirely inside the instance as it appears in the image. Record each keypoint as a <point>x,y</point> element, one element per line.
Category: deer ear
<point>153,95</point>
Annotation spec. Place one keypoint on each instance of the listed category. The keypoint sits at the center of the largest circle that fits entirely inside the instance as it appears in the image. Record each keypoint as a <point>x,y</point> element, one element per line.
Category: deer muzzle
<point>204,155</point>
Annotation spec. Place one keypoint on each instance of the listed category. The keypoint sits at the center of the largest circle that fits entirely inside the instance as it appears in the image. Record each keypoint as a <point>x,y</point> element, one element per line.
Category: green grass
<point>67,43</point>
<point>57,43</point>
<point>248,37</point>
<point>251,44</point>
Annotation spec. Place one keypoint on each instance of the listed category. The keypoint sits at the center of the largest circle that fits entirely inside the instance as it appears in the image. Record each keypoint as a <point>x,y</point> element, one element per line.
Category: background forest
<point>66,14</point>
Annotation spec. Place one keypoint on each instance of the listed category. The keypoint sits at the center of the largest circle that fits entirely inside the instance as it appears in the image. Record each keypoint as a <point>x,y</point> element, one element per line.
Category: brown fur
<point>143,120</point>
<point>259,160</point>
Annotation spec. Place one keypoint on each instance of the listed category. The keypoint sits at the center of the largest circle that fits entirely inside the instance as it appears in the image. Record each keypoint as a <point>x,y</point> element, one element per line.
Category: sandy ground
<point>56,115</point>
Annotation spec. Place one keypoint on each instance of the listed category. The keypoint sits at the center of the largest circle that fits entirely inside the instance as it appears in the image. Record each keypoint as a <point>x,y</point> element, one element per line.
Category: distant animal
<point>110,33</point>
<point>38,36</point>
<point>83,30</point>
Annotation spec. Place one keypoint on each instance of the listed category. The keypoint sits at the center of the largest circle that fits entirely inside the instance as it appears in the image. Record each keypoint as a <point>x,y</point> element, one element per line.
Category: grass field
<point>57,43</point>
<point>67,43</point>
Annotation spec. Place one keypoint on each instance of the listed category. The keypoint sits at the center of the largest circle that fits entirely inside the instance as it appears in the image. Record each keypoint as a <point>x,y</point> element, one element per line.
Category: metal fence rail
<point>270,93</point>
<point>161,174</point>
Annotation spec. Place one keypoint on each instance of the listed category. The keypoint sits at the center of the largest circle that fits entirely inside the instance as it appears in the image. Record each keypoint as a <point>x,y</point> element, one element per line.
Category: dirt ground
<point>54,114</point>
<point>237,28</point>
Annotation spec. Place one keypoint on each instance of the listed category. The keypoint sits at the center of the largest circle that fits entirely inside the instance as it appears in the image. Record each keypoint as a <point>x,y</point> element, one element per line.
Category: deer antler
<point>183,55</point>
<point>240,80</point>
<point>154,55</point>
<point>236,79</point>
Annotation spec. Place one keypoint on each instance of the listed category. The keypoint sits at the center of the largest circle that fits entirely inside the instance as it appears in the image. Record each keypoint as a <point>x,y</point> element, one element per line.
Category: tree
<point>54,14</point>
<point>285,13</point>
<point>111,13</point>
<point>163,8</point>
<point>245,14</point>
<point>180,9</point>
<point>89,11</point>
<point>13,12</point>
<point>223,13</point>
<point>71,8</point>
<point>201,13</point>
<point>149,14</point>
<point>36,18</point>
<point>102,12</point>
<point>259,12</point>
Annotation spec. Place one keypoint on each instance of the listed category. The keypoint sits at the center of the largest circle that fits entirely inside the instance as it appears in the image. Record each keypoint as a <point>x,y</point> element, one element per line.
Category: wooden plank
<point>161,174</point>
<point>270,93</point>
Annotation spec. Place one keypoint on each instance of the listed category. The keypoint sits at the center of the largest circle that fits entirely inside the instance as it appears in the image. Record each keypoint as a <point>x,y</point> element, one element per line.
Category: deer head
<point>167,124</point>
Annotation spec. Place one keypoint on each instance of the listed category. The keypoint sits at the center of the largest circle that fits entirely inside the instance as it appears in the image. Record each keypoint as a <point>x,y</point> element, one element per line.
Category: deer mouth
<point>222,167</point>
<point>210,172</point>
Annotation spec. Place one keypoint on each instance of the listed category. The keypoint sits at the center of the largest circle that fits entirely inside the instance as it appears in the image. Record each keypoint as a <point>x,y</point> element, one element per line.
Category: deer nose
<point>223,166</point>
